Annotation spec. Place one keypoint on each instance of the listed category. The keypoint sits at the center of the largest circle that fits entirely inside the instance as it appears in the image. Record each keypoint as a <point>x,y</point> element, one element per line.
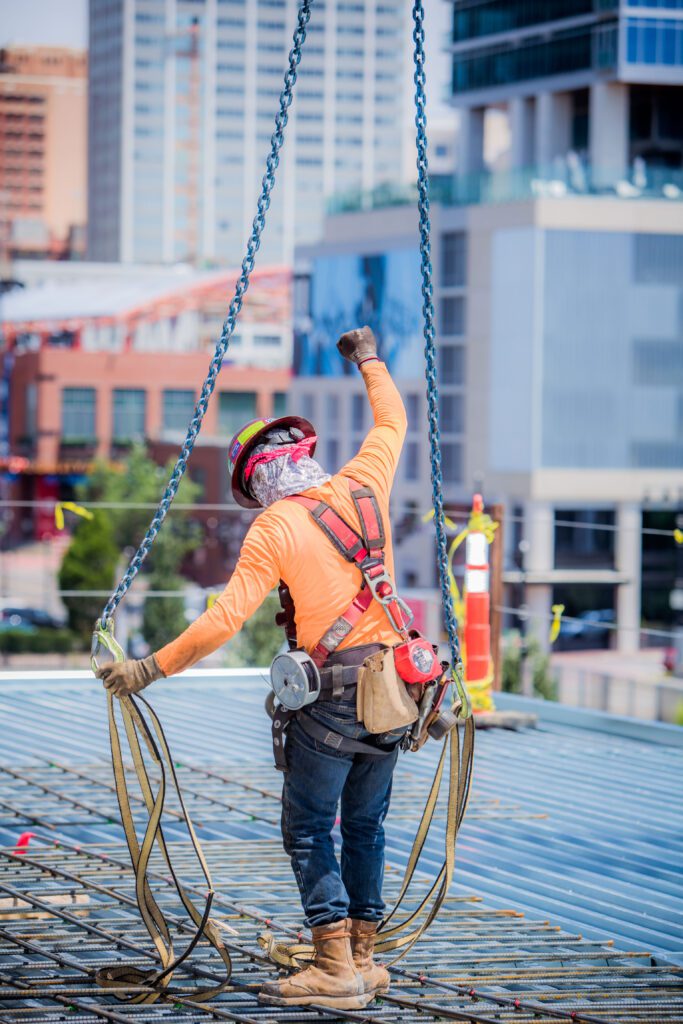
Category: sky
<point>44,22</point>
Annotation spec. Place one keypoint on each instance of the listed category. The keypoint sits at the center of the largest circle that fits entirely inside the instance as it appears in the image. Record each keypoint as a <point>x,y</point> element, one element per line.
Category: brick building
<point>128,366</point>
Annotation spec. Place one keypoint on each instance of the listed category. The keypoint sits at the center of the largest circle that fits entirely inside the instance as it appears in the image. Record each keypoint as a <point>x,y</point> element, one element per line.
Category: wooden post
<point>496,553</point>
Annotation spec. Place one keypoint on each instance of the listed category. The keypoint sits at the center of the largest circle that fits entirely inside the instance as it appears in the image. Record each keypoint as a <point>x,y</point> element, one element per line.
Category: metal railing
<point>567,177</point>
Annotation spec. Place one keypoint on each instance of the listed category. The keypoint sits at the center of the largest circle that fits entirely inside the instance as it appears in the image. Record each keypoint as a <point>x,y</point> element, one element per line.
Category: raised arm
<point>378,457</point>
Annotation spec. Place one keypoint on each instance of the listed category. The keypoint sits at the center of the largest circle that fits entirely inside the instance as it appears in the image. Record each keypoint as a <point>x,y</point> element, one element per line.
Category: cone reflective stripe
<point>477,599</point>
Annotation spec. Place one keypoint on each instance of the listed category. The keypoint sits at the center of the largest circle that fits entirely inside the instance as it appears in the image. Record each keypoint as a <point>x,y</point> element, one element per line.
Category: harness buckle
<point>383,590</point>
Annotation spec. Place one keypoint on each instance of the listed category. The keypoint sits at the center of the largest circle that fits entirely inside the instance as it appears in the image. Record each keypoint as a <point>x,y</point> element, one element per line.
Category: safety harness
<point>366,551</point>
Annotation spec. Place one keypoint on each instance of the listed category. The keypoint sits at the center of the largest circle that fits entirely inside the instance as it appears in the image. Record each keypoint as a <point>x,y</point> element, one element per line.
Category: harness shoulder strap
<point>367,552</point>
<point>352,546</point>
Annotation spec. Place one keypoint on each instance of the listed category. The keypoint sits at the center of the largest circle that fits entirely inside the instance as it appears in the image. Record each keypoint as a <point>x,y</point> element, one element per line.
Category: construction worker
<point>271,461</point>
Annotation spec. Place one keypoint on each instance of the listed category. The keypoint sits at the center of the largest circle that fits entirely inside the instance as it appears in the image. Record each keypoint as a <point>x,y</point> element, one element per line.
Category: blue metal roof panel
<point>576,823</point>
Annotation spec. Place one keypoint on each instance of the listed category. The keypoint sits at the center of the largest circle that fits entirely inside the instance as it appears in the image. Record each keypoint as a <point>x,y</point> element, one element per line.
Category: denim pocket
<point>338,715</point>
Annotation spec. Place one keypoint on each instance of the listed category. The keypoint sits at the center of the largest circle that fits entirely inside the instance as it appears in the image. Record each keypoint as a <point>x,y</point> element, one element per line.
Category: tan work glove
<point>126,677</point>
<point>358,345</point>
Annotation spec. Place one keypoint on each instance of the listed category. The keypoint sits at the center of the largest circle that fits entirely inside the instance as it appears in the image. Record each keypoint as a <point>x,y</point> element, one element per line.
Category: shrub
<point>35,641</point>
<point>88,564</point>
<point>543,684</point>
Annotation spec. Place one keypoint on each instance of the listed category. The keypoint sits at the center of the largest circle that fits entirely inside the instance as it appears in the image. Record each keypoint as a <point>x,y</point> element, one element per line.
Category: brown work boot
<point>331,980</point>
<point>375,978</point>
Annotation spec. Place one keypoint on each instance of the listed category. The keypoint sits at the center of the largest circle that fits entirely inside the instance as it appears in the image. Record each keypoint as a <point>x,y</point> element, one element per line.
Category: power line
<point>525,613</point>
<point>401,510</point>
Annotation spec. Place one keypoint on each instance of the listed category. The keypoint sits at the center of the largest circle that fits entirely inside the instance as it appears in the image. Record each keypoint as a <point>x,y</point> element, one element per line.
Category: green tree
<point>259,640</point>
<point>88,564</point>
<point>543,684</point>
<point>139,482</point>
<point>164,618</point>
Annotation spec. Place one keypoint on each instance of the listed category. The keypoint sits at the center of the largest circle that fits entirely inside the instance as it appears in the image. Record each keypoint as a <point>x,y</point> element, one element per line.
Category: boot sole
<point>357,1002</point>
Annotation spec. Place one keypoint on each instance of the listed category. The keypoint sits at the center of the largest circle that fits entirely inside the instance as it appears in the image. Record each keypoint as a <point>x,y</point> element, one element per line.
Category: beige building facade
<point>43,151</point>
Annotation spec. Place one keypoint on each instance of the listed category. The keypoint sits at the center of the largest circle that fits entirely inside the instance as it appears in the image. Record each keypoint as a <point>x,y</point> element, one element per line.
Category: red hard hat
<point>244,441</point>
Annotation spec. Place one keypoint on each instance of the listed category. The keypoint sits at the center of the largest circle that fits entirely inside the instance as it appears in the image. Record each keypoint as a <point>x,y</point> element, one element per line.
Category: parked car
<point>29,619</point>
<point>586,630</point>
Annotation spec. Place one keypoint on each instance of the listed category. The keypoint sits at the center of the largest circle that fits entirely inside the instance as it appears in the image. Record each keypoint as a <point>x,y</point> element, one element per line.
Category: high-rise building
<point>43,122</point>
<point>558,291</point>
<point>183,96</point>
<point>594,78</point>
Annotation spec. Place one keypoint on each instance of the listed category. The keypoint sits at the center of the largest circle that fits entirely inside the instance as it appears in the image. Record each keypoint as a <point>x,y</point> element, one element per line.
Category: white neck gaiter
<point>271,481</point>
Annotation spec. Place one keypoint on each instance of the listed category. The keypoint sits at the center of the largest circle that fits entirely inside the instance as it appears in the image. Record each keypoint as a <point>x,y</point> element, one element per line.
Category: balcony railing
<point>567,178</point>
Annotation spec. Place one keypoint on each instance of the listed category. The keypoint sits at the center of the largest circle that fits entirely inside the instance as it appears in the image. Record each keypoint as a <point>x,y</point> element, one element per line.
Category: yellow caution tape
<point>558,611</point>
<point>481,692</point>
<point>69,506</point>
<point>428,516</point>
<point>678,536</point>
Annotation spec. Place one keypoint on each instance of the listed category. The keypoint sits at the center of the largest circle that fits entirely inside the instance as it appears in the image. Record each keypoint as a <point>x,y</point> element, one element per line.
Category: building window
<point>302,292</point>
<point>279,403</point>
<point>451,414</point>
<point>332,406</point>
<point>307,404</point>
<point>31,411</point>
<point>78,414</point>
<point>128,414</point>
<point>178,408</point>
<point>412,461</point>
<point>452,315</point>
<point>235,408</point>
<point>332,456</point>
<point>453,256</point>
<point>539,56</point>
<point>358,407</point>
<point>412,410</point>
<point>451,364</point>
<point>267,340</point>
<point>584,537</point>
<point>451,462</point>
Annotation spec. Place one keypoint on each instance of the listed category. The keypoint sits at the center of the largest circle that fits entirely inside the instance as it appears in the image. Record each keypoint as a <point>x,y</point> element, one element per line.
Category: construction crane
<point>185,43</point>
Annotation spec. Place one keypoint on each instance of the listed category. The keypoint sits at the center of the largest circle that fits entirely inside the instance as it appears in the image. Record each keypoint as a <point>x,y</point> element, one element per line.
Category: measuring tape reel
<point>295,679</point>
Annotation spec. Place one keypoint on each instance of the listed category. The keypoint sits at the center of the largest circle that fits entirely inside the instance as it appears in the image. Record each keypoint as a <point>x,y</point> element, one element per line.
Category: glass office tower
<point>594,78</point>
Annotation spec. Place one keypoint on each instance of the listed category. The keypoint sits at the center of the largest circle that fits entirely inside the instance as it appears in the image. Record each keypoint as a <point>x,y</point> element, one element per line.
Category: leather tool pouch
<point>382,699</point>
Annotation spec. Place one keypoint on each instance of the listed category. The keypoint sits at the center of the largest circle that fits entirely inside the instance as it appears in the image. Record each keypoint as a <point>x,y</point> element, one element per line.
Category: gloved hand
<point>126,677</point>
<point>358,345</point>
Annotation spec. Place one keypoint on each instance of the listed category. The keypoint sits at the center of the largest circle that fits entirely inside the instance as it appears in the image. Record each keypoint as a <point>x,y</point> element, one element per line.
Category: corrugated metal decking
<point>576,830</point>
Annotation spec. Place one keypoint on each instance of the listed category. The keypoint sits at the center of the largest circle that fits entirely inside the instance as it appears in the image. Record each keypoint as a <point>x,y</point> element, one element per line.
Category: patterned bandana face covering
<point>283,475</point>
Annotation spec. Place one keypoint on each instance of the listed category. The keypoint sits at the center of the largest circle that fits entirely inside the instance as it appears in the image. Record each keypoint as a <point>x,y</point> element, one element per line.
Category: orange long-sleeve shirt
<point>284,543</point>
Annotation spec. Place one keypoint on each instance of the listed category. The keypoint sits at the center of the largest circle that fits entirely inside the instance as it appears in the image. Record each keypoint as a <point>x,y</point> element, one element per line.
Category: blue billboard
<point>346,291</point>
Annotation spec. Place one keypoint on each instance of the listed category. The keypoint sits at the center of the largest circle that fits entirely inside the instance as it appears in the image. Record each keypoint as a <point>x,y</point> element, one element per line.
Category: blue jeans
<point>317,780</point>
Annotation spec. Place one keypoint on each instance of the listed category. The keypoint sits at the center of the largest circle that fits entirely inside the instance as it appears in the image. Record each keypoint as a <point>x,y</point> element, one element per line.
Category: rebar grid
<point>66,911</point>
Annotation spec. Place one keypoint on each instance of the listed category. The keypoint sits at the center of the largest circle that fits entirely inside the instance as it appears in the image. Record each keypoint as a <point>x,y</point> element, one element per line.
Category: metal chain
<point>429,332</point>
<point>268,183</point>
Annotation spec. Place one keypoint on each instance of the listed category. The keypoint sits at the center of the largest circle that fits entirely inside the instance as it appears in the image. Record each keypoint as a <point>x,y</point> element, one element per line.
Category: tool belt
<point>339,678</point>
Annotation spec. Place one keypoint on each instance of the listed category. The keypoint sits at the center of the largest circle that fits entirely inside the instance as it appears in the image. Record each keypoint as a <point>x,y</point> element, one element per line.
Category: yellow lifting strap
<point>136,727</point>
<point>403,936</point>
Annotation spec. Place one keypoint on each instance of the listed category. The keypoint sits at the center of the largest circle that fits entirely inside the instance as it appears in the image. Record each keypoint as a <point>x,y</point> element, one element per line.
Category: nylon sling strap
<point>158,981</point>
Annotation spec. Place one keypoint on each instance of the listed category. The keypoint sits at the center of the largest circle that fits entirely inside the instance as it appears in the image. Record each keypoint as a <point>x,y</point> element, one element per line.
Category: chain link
<point>267,185</point>
<point>419,78</point>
